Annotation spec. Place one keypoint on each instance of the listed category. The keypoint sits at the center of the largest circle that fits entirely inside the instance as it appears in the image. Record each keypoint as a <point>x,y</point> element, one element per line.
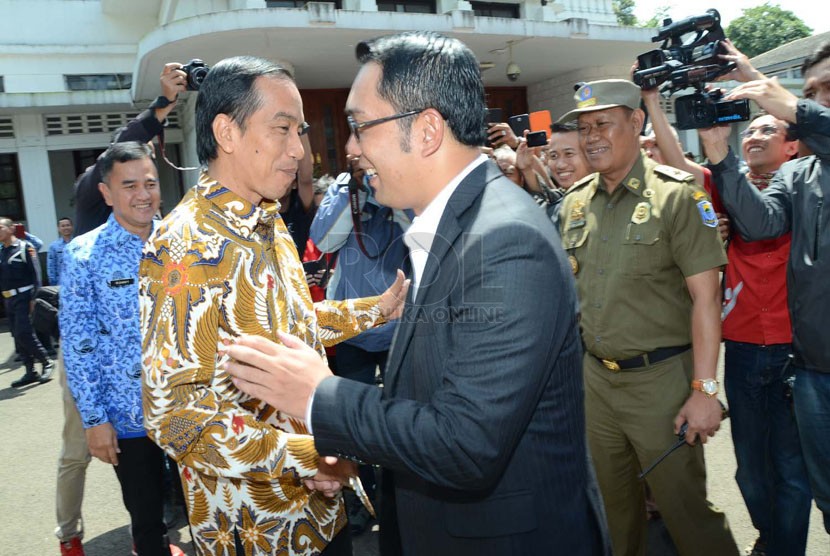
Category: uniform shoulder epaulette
<point>580,183</point>
<point>673,173</point>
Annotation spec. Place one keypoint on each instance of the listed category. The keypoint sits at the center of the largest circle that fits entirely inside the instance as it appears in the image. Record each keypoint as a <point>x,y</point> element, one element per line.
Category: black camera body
<point>196,71</point>
<point>704,109</point>
<point>679,64</point>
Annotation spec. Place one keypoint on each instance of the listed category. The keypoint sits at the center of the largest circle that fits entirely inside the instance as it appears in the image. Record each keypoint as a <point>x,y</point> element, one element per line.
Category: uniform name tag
<point>121,282</point>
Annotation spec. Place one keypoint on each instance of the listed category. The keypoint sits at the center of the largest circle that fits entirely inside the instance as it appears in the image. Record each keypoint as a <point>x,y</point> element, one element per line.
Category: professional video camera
<point>680,64</point>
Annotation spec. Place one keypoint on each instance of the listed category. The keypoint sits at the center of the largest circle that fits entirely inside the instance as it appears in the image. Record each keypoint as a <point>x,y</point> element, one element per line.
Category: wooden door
<point>324,111</point>
<point>512,100</point>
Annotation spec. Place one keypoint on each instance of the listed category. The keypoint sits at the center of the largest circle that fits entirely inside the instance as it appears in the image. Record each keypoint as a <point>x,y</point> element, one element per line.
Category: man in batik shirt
<point>222,264</point>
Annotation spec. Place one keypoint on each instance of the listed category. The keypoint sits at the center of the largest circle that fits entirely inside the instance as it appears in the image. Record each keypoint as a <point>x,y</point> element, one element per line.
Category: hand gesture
<point>332,475</point>
<point>715,141</point>
<point>282,375</point>
<point>501,134</point>
<point>393,299</point>
<point>770,95</point>
<point>703,414</point>
<point>173,81</point>
<point>525,154</point>
<point>744,71</point>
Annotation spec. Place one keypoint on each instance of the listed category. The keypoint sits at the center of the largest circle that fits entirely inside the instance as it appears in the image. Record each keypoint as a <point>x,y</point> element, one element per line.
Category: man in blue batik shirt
<point>54,257</point>
<point>99,322</point>
<point>364,268</point>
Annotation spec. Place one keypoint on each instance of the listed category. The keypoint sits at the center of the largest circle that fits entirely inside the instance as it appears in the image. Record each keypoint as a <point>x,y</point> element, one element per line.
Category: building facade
<point>73,71</point>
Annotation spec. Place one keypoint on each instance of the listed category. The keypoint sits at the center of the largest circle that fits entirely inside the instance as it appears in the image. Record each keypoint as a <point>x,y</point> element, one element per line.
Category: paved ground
<point>31,419</point>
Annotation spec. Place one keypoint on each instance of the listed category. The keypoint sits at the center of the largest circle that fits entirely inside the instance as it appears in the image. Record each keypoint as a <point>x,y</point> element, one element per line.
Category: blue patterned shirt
<point>54,260</point>
<point>100,329</point>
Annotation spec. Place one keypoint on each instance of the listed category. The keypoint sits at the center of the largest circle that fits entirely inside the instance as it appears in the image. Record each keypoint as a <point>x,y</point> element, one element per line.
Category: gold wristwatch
<point>708,386</point>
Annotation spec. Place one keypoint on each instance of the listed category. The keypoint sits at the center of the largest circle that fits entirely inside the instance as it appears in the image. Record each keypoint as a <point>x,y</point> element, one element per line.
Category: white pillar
<point>36,177</point>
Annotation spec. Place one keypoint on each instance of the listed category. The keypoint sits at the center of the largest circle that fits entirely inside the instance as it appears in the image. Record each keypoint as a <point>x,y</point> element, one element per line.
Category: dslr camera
<point>689,57</point>
<point>196,71</point>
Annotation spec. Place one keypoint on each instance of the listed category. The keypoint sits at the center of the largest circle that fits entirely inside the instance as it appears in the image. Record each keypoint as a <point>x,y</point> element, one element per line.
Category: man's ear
<point>431,131</point>
<point>224,131</point>
<point>105,192</point>
<point>637,119</point>
<point>791,148</point>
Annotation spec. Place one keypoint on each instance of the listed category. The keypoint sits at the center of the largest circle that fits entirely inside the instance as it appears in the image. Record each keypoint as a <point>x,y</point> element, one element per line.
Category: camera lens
<point>195,78</point>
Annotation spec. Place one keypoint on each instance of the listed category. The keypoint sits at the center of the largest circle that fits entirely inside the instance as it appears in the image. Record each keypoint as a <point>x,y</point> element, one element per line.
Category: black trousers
<point>140,471</point>
<point>25,341</point>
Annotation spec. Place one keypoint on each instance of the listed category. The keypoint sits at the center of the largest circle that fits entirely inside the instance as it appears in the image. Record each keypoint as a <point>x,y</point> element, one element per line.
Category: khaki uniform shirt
<point>218,267</point>
<point>631,251</point>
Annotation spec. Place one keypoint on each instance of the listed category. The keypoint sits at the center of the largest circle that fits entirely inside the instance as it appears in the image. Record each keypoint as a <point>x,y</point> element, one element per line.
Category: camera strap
<point>164,154</point>
<point>354,207</point>
<point>354,204</point>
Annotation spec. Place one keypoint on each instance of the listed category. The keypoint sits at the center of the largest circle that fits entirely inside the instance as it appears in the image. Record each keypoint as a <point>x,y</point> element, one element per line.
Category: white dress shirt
<point>421,234</point>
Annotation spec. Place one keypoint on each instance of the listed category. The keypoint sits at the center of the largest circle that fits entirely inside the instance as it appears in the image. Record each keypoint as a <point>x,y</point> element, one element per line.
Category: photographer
<point>794,202</point>
<point>90,209</point>
<point>368,239</point>
<point>756,333</point>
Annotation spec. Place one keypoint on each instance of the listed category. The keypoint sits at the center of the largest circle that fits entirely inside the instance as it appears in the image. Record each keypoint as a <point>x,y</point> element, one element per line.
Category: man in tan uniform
<point>643,244</point>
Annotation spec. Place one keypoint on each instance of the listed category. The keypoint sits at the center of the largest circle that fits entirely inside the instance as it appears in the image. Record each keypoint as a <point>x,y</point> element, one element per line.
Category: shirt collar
<point>427,221</point>
<point>242,215</point>
<point>120,234</point>
<point>634,181</point>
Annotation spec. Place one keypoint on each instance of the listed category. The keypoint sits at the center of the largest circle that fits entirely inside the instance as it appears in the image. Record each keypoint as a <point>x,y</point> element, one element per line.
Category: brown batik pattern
<point>218,267</point>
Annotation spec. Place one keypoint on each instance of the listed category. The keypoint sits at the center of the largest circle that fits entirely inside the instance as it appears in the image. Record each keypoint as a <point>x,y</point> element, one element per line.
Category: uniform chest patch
<point>707,214</point>
<point>642,213</point>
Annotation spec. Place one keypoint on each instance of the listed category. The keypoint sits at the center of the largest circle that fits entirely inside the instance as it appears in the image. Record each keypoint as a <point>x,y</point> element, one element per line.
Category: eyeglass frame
<point>764,129</point>
<point>355,127</point>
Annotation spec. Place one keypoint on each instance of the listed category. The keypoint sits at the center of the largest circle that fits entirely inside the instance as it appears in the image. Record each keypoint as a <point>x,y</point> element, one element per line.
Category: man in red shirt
<point>757,335</point>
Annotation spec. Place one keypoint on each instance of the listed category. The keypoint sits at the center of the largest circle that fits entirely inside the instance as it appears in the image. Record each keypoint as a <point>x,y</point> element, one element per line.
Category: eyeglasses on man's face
<point>765,130</point>
<point>356,127</point>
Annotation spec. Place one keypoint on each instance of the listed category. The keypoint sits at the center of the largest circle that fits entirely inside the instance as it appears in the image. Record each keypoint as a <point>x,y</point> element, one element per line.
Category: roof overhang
<point>319,43</point>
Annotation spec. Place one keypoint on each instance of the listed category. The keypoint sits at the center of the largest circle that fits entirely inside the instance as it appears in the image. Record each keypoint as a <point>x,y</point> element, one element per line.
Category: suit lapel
<point>449,228</point>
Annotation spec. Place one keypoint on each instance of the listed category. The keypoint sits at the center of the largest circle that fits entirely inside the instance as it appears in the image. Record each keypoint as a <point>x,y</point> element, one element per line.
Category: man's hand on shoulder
<point>703,413</point>
<point>282,375</point>
<point>103,443</point>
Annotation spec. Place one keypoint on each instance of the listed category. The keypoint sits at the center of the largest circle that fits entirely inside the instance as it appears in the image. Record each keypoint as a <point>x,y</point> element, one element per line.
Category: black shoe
<point>18,358</point>
<point>52,352</point>
<point>30,377</point>
<point>757,549</point>
<point>359,520</point>
<point>47,371</point>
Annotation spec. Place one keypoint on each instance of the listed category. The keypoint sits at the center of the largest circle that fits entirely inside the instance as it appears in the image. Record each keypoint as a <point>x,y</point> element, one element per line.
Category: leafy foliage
<point>765,27</point>
<point>657,19</point>
<point>624,10</point>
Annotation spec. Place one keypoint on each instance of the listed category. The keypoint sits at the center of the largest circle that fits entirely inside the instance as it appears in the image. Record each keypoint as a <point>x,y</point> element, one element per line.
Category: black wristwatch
<point>161,102</point>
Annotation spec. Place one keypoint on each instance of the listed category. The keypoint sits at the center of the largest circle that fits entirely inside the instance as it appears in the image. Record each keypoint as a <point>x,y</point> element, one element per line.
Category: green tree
<point>765,27</point>
<point>624,10</point>
<point>657,19</point>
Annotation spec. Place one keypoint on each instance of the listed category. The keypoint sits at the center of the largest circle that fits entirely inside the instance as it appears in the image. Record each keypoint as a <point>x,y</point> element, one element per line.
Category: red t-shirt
<point>755,294</point>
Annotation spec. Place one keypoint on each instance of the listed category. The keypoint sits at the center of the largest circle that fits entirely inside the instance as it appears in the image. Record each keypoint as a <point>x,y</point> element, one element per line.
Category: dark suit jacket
<point>481,419</point>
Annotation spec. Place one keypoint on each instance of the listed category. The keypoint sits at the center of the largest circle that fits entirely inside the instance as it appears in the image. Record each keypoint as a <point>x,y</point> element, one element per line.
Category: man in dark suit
<point>481,421</point>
